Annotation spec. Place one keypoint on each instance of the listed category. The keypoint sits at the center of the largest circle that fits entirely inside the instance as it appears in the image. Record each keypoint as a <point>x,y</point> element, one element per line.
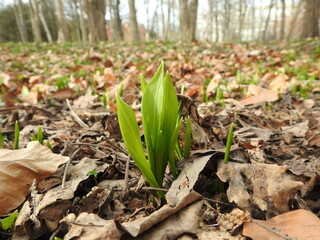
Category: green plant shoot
<point>40,135</point>
<point>8,222</point>
<point>161,124</point>
<point>187,139</point>
<point>143,82</point>
<point>229,143</point>
<point>16,135</point>
<point>2,145</point>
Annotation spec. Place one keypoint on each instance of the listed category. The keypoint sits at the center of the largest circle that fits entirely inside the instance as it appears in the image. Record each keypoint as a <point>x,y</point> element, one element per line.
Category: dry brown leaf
<point>279,83</point>
<point>89,226</point>
<point>19,168</point>
<point>268,186</point>
<point>260,95</point>
<point>136,227</point>
<point>184,221</point>
<point>299,224</point>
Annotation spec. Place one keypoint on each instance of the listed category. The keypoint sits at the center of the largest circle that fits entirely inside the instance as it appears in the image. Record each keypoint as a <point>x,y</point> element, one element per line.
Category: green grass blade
<point>16,135</point>
<point>229,143</point>
<point>151,110</point>
<point>187,139</point>
<point>173,142</point>
<point>2,145</point>
<point>143,82</point>
<point>40,135</point>
<point>131,136</point>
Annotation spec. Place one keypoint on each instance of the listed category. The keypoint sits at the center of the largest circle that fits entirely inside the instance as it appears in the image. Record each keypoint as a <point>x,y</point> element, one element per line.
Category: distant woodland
<point>167,20</point>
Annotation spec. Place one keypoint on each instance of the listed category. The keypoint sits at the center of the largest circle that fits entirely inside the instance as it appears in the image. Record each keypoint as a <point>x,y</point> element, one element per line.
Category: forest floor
<point>269,189</point>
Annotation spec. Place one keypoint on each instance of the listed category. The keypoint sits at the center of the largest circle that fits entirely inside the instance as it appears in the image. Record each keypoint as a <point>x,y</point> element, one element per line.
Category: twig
<point>75,116</point>
<point>67,167</point>
<point>126,175</point>
<point>155,189</point>
<point>220,202</point>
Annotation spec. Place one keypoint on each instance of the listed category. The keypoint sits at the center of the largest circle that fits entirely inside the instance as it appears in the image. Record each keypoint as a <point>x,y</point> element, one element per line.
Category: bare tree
<point>188,19</point>
<point>62,24</point>
<point>211,4</point>
<point>310,19</point>
<point>44,21</point>
<point>116,26</point>
<point>35,21</point>
<point>83,25</point>
<point>267,22</point>
<point>96,10</point>
<point>168,24</point>
<point>294,19</point>
<point>135,36</point>
<point>242,14</point>
<point>283,18</point>
<point>216,17</point>
<point>226,20</point>
<point>20,20</point>
<point>253,22</point>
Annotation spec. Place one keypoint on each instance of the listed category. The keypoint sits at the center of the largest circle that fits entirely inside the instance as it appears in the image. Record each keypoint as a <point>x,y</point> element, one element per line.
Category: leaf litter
<point>273,168</point>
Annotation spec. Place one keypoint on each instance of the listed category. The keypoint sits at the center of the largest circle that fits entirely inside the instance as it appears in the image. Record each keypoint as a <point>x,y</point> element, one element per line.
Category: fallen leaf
<point>299,224</point>
<point>260,95</point>
<point>89,226</point>
<point>267,186</point>
<point>19,168</point>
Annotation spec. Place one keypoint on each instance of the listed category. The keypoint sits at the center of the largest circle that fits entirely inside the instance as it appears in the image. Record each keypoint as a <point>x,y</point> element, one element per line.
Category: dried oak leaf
<point>299,224</point>
<point>267,186</point>
<point>18,169</point>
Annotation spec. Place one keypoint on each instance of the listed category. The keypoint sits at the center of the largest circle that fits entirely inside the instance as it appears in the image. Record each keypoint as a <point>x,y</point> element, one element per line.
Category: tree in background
<point>134,29</point>
<point>20,20</point>
<point>116,26</point>
<point>96,11</point>
<point>188,19</point>
<point>311,19</point>
<point>63,27</point>
<point>35,20</point>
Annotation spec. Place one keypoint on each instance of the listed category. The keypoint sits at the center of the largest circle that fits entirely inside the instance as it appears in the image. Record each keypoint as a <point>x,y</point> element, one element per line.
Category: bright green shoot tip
<point>16,135</point>
<point>229,143</point>
<point>161,124</point>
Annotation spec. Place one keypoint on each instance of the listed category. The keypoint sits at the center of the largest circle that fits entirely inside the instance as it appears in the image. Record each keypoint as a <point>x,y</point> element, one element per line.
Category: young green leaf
<point>131,136</point>
<point>187,139</point>
<point>8,222</point>
<point>40,135</point>
<point>143,82</point>
<point>229,143</point>
<point>2,145</point>
<point>16,135</point>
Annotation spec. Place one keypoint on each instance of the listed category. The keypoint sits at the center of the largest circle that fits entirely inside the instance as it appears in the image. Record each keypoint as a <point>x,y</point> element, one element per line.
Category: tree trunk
<point>20,20</point>
<point>283,18</point>
<point>188,19</point>
<point>44,22</point>
<point>83,25</point>
<point>310,19</point>
<point>275,27</point>
<point>116,26</point>
<point>210,22</point>
<point>242,15</point>
<point>253,21</point>
<point>184,20</point>
<point>134,29</point>
<point>294,19</point>
<point>193,11</point>
<point>217,22</point>
<point>267,22</point>
<point>62,24</point>
<point>226,20</point>
<point>168,24</point>
<point>35,23</point>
